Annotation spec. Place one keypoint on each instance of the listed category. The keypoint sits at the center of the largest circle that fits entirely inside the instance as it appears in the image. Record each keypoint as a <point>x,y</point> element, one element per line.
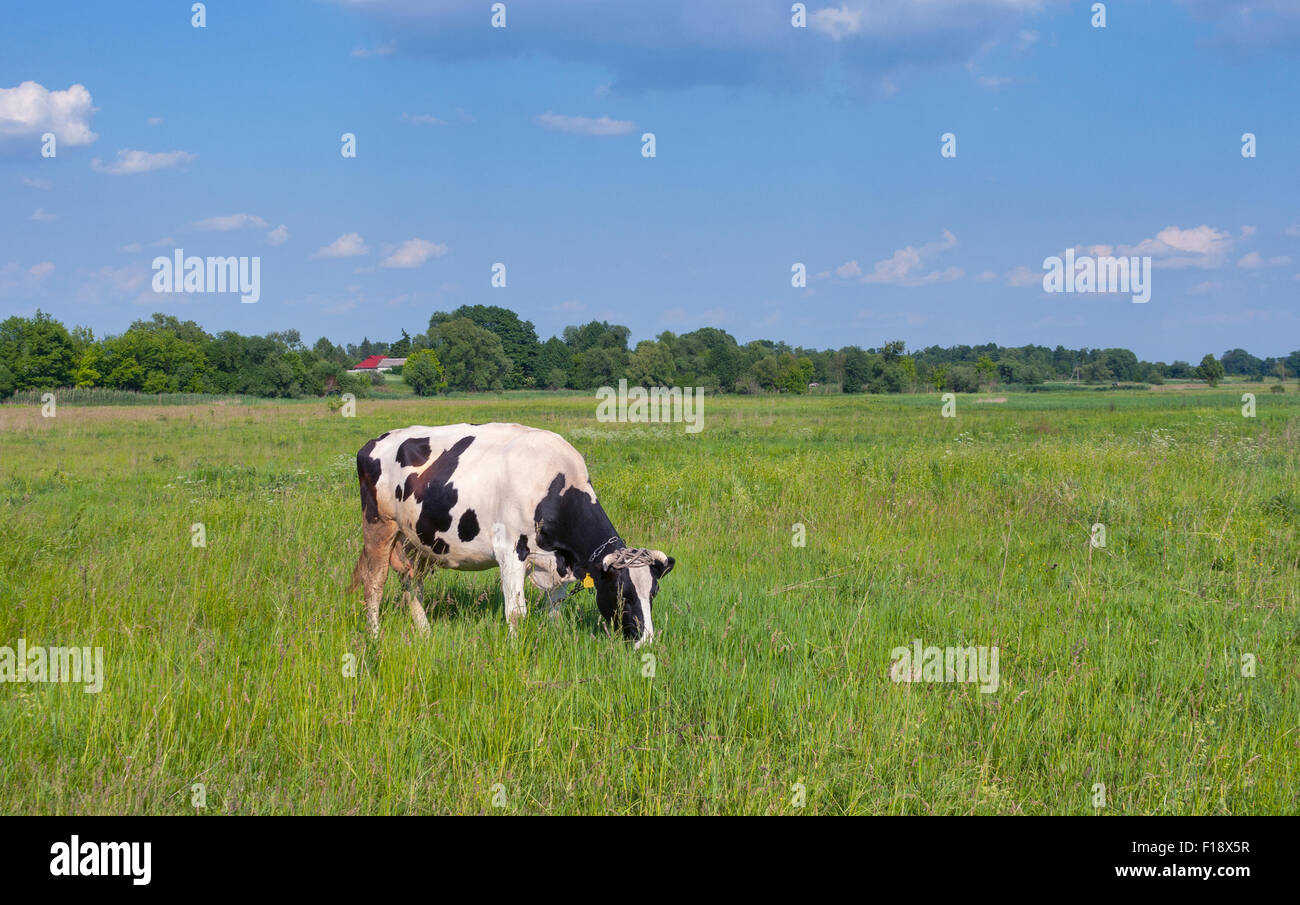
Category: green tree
<point>962,379</point>
<point>1239,361</point>
<point>857,369</point>
<point>424,373</point>
<point>651,364</point>
<point>1210,370</point>
<point>518,337</point>
<point>471,356</point>
<point>401,348</point>
<point>38,352</point>
<point>795,373</point>
<point>557,379</point>
<point>939,376</point>
<point>149,359</point>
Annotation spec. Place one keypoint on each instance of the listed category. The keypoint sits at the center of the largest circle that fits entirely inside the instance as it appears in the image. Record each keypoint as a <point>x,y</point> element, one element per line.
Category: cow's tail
<point>367,477</point>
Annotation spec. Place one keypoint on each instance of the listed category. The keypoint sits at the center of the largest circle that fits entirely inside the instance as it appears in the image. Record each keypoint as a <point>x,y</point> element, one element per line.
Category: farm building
<point>377,363</point>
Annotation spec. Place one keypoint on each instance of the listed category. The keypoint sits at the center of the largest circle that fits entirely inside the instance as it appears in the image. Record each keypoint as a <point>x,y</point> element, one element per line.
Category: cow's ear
<point>607,564</point>
<point>662,565</point>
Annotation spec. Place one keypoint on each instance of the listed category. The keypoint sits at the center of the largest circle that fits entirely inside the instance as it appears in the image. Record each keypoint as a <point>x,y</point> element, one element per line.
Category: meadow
<point>1156,674</point>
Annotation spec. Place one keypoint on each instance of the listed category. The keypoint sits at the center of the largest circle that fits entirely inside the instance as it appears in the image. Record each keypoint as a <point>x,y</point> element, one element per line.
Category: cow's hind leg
<point>512,576</point>
<point>372,567</point>
<point>410,588</point>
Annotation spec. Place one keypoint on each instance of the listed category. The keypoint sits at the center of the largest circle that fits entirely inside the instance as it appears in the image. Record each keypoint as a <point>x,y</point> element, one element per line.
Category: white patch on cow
<point>642,581</point>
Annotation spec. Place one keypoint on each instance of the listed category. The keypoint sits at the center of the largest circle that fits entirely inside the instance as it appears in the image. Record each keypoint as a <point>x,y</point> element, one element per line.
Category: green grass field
<point>230,665</point>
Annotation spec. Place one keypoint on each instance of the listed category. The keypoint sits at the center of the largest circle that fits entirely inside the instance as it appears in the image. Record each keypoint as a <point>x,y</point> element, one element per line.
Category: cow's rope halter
<point>624,557</point>
<point>631,556</point>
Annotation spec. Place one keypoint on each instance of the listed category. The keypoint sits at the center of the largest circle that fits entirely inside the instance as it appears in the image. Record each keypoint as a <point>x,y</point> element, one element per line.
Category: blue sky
<point>774,144</point>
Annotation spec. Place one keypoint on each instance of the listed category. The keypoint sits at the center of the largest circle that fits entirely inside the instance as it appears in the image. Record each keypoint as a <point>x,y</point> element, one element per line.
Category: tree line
<point>487,347</point>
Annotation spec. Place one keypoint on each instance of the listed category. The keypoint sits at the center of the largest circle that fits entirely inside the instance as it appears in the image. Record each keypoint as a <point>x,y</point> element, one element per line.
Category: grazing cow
<point>473,496</point>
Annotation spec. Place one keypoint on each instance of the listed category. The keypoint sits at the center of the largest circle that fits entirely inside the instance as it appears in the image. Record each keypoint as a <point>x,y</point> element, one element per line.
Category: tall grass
<point>105,396</point>
<point>231,665</point>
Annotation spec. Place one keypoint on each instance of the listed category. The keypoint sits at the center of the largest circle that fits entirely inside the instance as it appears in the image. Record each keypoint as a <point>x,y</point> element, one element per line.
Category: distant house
<point>377,363</point>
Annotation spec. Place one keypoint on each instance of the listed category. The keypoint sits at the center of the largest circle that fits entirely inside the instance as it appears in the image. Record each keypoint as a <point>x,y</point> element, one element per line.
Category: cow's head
<point>626,583</point>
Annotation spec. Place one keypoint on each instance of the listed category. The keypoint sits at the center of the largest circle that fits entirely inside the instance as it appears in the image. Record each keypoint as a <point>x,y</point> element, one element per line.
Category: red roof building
<point>370,364</point>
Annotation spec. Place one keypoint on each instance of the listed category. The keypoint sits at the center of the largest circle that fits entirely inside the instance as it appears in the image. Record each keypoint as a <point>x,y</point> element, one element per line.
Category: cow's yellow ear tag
<point>588,582</point>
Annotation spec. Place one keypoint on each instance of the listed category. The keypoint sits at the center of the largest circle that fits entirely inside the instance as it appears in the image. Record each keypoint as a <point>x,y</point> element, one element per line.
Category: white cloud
<point>1247,231</point>
<point>994,82</point>
<point>41,215</point>
<point>906,266</point>
<point>1293,230</point>
<point>848,269</point>
<point>1096,251</point>
<point>31,110</point>
<point>132,248</point>
<point>1023,276</point>
<point>381,50</point>
<point>413,253</point>
<point>908,20</point>
<point>40,271</point>
<point>41,184</point>
<point>278,236</point>
<point>838,22</point>
<point>1174,248</point>
<point>128,163</point>
<point>155,120</point>
<point>423,119</point>
<point>585,125</point>
<point>1254,261</point>
<point>123,280</point>
<point>986,277</point>
<point>229,222</point>
<point>678,44</point>
<point>14,277</point>
<point>348,245</point>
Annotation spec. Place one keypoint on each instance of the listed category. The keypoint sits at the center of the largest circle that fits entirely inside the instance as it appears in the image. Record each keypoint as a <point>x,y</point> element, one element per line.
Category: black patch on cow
<point>521,548</point>
<point>564,564</point>
<point>432,489</point>
<point>439,546</point>
<point>569,522</point>
<point>413,452</point>
<point>397,491</point>
<point>368,471</point>
<point>468,527</point>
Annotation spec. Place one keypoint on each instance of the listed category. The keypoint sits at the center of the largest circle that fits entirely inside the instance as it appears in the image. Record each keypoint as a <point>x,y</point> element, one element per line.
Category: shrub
<point>423,372</point>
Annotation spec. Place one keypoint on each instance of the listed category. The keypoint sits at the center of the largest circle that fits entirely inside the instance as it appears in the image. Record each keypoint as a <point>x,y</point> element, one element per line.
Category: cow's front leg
<point>411,597</point>
<point>512,576</point>
<point>555,598</point>
<point>411,586</point>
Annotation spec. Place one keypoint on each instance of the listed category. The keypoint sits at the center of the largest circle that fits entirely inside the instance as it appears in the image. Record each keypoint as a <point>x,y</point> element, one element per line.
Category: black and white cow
<point>473,496</point>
